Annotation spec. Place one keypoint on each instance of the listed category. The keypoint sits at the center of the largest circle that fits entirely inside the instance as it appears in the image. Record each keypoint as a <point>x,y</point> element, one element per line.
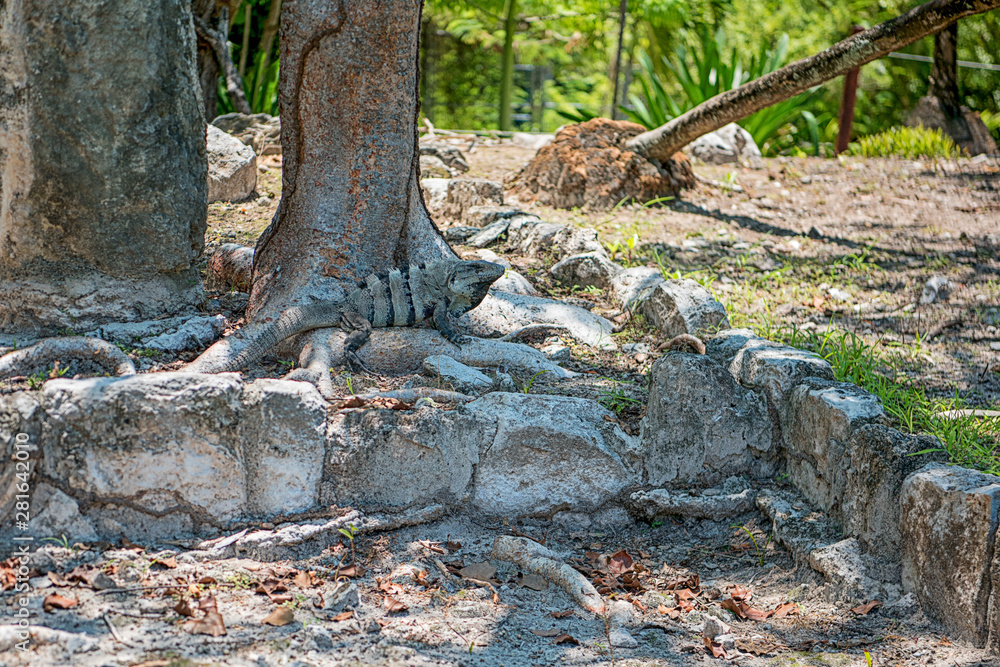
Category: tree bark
<point>219,41</point>
<point>802,75</point>
<point>351,202</point>
<point>944,72</point>
<point>103,204</point>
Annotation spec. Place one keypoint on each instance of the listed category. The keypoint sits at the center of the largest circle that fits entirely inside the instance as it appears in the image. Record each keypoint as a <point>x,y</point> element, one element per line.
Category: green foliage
<point>906,142</point>
<point>708,68</point>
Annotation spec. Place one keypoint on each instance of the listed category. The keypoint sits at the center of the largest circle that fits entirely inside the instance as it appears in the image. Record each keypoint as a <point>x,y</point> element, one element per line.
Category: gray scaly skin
<point>400,298</point>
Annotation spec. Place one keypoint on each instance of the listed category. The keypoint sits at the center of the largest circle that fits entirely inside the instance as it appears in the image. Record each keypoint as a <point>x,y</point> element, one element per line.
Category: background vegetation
<point>675,53</point>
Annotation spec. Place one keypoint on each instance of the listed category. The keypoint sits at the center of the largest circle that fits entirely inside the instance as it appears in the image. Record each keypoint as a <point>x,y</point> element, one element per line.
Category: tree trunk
<point>219,41</point>
<point>103,205</point>
<point>944,72</point>
<point>351,202</point>
<point>507,71</point>
<point>615,72</point>
<point>208,65</point>
<point>802,75</point>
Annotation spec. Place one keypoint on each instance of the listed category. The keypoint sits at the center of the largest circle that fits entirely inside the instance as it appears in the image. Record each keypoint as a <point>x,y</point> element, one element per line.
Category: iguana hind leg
<point>358,330</point>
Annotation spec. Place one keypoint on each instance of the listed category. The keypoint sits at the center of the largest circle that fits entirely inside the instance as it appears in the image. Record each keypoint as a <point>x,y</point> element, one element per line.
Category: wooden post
<point>622,13</point>
<point>846,119</point>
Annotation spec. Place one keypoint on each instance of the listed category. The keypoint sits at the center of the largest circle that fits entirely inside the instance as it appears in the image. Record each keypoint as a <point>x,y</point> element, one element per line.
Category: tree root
<point>415,394</point>
<point>274,544</point>
<point>501,313</point>
<point>542,561</point>
<point>44,354</point>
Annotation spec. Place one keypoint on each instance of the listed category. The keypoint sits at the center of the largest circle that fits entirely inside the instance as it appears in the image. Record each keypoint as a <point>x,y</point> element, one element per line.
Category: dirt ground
<point>675,575</point>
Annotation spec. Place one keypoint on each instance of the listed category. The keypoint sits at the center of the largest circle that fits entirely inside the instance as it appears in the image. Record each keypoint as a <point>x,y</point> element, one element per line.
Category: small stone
<point>557,352</point>
<point>714,627</point>
<point>936,289</point>
<point>232,167</point>
<point>995,346</point>
<point>636,348</point>
<point>641,358</point>
<point>319,637</point>
<point>344,596</point>
<point>838,294</point>
<point>621,638</point>
<point>683,306</point>
<point>728,144</point>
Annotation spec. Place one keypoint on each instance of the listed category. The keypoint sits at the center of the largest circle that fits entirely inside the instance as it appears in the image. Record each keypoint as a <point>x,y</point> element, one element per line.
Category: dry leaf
<point>863,609</point>
<point>561,614</point>
<point>785,609</point>
<point>565,639</point>
<point>685,594</point>
<point>352,571</point>
<point>279,617</point>
<point>718,651</point>
<point>481,571</point>
<point>210,624</point>
<point>435,547</point>
<point>207,581</point>
<point>352,402</point>
<point>167,563</point>
<point>390,587</point>
<point>344,615</point>
<point>551,632</point>
<point>620,562</point>
<point>91,576</point>
<point>454,546</point>
<point>303,579</point>
<point>56,601</point>
<point>533,581</point>
<point>393,605</point>
<point>184,608</point>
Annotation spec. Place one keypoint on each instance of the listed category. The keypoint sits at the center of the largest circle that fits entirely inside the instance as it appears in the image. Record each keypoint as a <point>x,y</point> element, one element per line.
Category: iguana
<point>399,298</point>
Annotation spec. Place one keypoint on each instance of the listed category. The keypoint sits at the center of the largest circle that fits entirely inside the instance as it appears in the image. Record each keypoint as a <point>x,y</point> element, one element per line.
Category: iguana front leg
<point>443,325</point>
<point>358,330</point>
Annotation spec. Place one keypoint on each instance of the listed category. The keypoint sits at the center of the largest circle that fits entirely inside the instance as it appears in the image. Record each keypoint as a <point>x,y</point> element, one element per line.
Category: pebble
<point>557,352</point>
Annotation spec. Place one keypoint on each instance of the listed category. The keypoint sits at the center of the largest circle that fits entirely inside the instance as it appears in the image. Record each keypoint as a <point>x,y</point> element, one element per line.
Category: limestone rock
<point>449,155</point>
<point>146,446</point>
<point>464,379</point>
<point>232,167</point>
<point>817,421</point>
<point>630,287</point>
<point>797,525</point>
<point>880,458</point>
<point>728,144</point>
<point>683,306</point>
<point>195,333</point>
<point>546,452</point>
<point>515,283</point>
<point>283,434</point>
<point>846,570</point>
<point>432,166</point>
<point>55,514</point>
<point>700,425</point>
<point>588,164</point>
<point>527,235</point>
<point>948,526</point>
<point>260,131</point>
<point>481,216</point>
<point>659,503</point>
<point>369,454</point>
<point>464,193</point>
<point>592,268</point>
<point>435,192</point>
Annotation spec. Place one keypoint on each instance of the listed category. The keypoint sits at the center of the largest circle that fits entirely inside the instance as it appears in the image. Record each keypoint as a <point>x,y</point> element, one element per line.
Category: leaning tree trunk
<point>351,203</point>
<point>802,75</point>
<point>102,163</point>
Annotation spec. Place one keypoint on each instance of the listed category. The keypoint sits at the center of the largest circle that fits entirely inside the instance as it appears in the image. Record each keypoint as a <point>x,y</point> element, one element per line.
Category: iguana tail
<point>293,321</point>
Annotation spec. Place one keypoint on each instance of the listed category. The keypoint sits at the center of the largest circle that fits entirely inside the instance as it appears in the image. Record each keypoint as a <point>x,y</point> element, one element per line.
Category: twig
<point>542,561</point>
<point>111,627</point>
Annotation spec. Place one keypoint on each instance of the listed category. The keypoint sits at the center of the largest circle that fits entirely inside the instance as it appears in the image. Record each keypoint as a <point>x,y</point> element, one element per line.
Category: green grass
<point>906,142</point>
<point>968,441</point>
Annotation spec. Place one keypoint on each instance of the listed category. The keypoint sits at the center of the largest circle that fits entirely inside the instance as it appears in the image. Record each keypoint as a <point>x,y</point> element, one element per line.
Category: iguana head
<point>468,283</point>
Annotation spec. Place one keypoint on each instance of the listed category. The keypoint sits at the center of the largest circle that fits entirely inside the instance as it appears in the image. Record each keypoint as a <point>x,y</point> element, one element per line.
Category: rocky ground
<point>390,603</point>
<point>809,244</point>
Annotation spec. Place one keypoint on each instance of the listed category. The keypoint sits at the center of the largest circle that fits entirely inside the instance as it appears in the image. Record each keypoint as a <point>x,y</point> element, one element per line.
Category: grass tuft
<point>906,142</point>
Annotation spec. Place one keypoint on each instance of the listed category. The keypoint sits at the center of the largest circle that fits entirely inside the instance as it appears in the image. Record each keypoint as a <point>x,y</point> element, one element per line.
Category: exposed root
<point>415,394</point>
<point>315,363</point>
<point>230,267</point>
<point>501,313</point>
<point>540,560</point>
<point>683,343</point>
<point>542,327</point>
<point>42,355</point>
<point>402,351</point>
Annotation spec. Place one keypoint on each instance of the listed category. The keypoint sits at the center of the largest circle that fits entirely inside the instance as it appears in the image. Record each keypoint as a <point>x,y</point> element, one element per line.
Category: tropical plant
<point>906,142</point>
<point>709,69</point>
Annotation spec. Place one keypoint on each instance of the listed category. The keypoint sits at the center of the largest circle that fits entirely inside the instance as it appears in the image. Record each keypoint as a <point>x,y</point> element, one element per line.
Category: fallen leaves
<point>209,624</point>
<point>90,576</point>
<point>551,632</point>
<point>738,602</point>
<point>561,614</point>
<point>565,639</point>
<point>280,617</point>
<point>56,601</point>
<point>478,571</point>
<point>717,649</point>
<point>863,609</point>
<point>533,581</point>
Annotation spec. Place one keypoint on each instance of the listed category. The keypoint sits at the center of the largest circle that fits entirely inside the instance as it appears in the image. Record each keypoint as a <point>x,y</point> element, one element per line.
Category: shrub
<point>906,142</point>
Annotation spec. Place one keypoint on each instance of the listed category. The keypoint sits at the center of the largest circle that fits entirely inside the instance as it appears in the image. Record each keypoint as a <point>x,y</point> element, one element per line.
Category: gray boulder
<point>683,306</point>
<point>817,421</point>
<point>588,269</point>
<point>948,526</point>
<point>659,503</point>
<point>631,287</point>
<point>515,283</point>
<point>449,155</point>
<point>545,453</point>
<point>464,193</point>
<point>481,216</point>
<point>700,425</point>
<point>725,145</point>
<point>195,333</point>
<point>283,435</point>
<point>435,192</point>
<point>232,167</point>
